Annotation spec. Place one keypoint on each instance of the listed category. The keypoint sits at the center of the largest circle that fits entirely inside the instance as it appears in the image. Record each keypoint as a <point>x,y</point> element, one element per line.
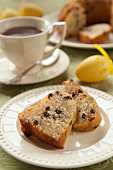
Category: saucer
<point>38,73</point>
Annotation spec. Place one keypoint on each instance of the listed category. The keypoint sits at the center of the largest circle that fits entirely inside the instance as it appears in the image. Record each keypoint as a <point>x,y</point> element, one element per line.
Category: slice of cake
<point>88,117</point>
<point>98,33</point>
<point>75,17</point>
<point>51,119</point>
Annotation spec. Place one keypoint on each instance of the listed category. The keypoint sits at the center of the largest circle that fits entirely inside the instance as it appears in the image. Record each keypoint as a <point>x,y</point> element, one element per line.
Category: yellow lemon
<point>30,9</point>
<point>95,68</point>
<point>9,12</point>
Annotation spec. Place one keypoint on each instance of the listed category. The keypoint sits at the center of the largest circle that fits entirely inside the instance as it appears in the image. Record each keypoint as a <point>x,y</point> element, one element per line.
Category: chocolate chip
<point>92,111</point>
<point>83,116</point>
<point>50,95</point>
<point>79,110</point>
<point>58,111</point>
<point>71,80</point>
<point>92,119</point>
<point>27,134</point>
<point>57,92</point>
<point>73,94</point>
<point>54,117</point>
<point>71,122</point>
<point>46,114</point>
<point>59,116</point>
<point>68,97</point>
<point>80,91</point>
<point>95,127</point>
<point>36,122</point>
<point>47,108</point>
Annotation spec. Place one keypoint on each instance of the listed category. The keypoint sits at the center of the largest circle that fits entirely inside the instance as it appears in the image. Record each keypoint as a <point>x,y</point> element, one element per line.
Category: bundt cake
<point>80,13</point>
<point>75,17</point>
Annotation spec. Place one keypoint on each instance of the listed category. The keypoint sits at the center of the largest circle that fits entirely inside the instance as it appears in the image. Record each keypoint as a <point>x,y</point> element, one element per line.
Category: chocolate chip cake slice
<point>88,117</point>
<point>51,119</point>
<point>97,33</point>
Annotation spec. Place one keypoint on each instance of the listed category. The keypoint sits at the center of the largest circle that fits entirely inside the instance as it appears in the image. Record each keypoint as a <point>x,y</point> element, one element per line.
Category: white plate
<point>38,73</point>
<point>73,42</point>
<point>81,148</point>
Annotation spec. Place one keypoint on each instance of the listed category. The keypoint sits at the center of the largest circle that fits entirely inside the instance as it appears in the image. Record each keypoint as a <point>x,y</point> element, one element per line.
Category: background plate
<point>73,42</point>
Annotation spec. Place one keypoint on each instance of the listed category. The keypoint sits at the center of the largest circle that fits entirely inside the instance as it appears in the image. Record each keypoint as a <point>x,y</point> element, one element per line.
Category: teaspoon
<point>45,62</point>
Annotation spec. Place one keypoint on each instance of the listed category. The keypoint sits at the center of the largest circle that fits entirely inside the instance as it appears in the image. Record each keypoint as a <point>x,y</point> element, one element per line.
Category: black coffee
<point>21,31</point>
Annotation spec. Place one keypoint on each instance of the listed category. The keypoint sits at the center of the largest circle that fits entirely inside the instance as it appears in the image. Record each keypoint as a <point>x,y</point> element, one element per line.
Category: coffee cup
<point>23,39</point>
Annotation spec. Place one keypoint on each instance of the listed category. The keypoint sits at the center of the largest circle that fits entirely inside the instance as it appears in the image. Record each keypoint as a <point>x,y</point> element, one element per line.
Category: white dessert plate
<point>73,42</point>
<point>81,148</point>
<point>36,74</point>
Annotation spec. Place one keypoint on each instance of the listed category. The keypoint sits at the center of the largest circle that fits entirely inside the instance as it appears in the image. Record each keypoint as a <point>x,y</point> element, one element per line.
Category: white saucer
<point>38,73</point>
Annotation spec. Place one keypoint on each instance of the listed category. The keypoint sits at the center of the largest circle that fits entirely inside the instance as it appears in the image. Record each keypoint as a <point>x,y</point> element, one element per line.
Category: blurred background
<point>16,3</point>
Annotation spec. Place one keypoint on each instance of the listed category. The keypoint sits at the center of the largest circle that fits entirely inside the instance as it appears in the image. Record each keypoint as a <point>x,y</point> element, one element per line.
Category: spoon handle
<point>20,75</point>
<point>45,62</point>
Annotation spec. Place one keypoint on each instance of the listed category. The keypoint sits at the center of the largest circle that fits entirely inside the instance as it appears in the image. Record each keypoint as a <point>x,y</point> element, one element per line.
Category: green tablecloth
<point>7,162</point>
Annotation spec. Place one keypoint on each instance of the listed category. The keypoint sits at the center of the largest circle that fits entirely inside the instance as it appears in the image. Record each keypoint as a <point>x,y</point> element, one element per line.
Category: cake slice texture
<point>51,119</point>
<point>97,33</point>
<point>88,117</point>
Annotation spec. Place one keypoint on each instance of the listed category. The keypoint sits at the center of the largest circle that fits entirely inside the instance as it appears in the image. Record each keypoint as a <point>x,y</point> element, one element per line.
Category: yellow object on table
<point>29,9</point>
<point>95,68</point>
<point>9,12</point>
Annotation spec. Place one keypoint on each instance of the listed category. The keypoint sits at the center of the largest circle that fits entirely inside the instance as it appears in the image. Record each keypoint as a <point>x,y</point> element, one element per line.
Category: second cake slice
<point>88,116</point>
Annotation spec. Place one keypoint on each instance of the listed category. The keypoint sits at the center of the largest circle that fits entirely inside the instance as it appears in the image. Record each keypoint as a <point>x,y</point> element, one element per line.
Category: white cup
<point>25,50</point>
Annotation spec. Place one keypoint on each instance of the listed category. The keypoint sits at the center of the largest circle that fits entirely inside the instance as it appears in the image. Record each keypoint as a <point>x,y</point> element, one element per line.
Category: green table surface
<point>7,162</point>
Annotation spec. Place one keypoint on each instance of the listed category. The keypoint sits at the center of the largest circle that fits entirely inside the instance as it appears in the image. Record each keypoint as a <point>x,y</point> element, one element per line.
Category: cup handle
<point>57,25</point>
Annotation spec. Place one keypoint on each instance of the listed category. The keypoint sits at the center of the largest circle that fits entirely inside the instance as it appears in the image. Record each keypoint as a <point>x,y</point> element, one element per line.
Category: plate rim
<point>67,43</point>
<point>10,150</point>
